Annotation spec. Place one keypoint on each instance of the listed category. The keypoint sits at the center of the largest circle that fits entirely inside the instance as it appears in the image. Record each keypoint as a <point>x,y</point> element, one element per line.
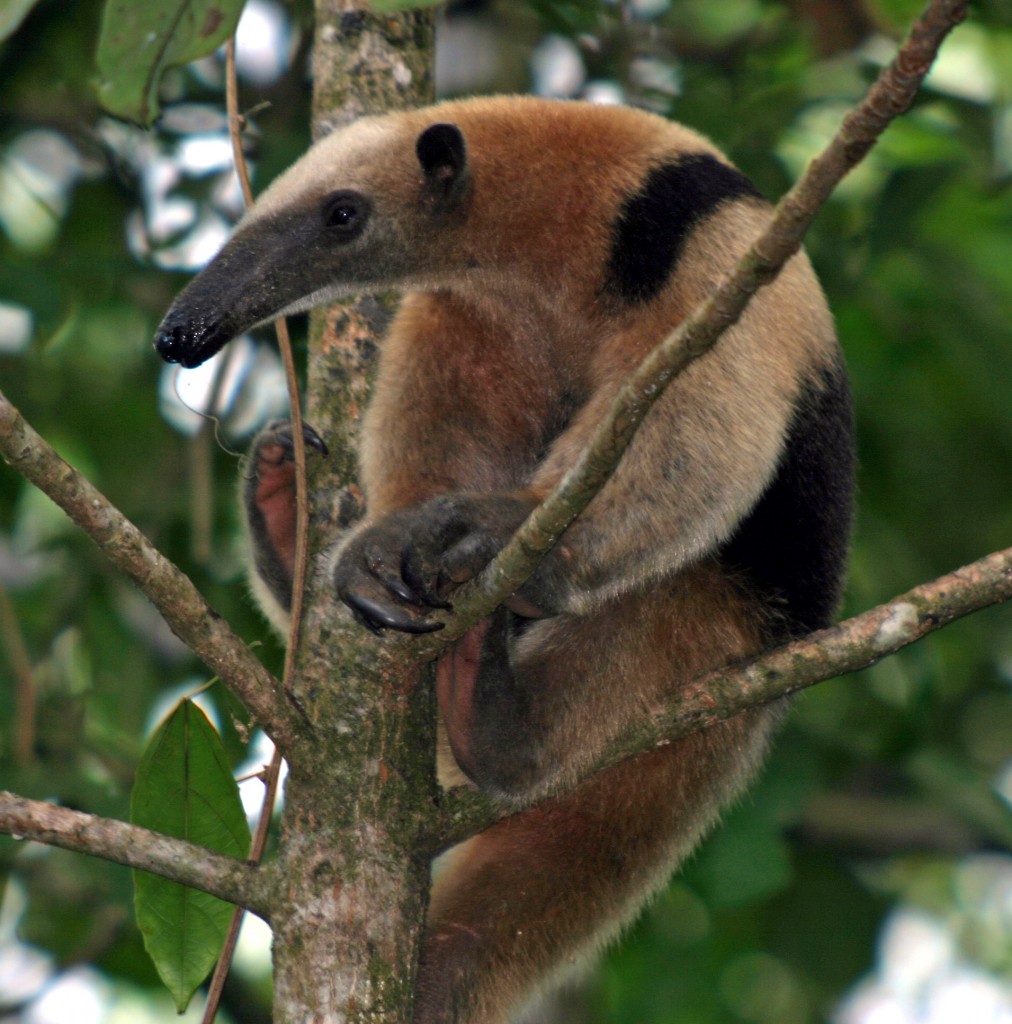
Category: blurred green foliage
<point>887,789</point>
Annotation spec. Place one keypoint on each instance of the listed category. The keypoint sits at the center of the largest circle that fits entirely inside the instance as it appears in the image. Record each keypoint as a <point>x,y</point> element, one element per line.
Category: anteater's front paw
<point>395,573</point>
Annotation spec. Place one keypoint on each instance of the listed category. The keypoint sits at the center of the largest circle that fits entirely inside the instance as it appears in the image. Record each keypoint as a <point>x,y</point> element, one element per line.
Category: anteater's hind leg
<point>547,886</point>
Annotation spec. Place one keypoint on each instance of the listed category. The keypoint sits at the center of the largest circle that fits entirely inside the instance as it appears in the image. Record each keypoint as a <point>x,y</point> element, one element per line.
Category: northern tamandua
<point>544,248</point>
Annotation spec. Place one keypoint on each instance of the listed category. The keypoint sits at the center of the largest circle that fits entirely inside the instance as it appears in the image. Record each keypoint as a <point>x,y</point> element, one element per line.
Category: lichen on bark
<point>351,915</point>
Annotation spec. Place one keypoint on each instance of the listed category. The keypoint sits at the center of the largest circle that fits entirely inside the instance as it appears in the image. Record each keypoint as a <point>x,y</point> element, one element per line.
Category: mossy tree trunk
<point>346,926</point>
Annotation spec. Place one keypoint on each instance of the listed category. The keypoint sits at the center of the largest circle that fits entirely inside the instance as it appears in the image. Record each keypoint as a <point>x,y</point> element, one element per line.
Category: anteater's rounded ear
<point>442,153</point>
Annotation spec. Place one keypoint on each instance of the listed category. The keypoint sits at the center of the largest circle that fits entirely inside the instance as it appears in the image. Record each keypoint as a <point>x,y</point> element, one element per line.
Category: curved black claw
<point>377,565</point>
<point>376,617</point>
<point>363,621</point>
<point>309,435</point>
<point>401,589</point>
<point>313,439</point>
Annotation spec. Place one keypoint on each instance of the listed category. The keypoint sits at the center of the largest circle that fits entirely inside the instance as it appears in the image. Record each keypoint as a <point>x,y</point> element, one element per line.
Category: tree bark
<point>349,919</point>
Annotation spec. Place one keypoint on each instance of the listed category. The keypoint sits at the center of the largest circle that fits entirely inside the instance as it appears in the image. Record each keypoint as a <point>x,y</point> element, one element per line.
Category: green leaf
<point>12,13</point>
<point>184,788</point>
<point>139,42</point>
<point>393,6</point>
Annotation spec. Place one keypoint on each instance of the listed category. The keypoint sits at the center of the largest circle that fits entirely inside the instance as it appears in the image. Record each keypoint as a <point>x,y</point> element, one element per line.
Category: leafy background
<point>869,871</point>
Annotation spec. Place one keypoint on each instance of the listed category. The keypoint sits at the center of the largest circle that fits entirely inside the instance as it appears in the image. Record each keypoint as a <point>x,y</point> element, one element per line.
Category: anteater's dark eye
<point>345,213</point>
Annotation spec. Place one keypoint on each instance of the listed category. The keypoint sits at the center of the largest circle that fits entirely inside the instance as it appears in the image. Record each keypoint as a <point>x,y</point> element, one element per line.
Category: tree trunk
<point>351,913</point>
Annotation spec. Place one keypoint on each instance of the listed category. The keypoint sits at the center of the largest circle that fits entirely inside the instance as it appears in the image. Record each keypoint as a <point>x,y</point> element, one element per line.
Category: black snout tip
<point>183,342</point>
<point>169,344</point>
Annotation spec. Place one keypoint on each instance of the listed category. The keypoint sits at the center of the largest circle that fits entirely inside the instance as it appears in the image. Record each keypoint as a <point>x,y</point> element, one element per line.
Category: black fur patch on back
<point>653,225</point>
<point>792,547</point>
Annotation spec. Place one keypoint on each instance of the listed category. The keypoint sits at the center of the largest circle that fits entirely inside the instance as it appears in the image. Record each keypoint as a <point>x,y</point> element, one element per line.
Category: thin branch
<point>235,126</point>
<point>890,95</point>
<point>870,824</point>
<point>190,617</point>
<point>849,646</point>
<point>272,779</point>
<point>273,773</point>
<point>853,644</point>
<point>176,859</point>
<point>201,472</point>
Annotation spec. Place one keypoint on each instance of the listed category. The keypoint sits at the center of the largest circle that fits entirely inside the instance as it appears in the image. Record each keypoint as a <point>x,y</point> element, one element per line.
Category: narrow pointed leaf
<point>184,788</point>
<point>139,42</point>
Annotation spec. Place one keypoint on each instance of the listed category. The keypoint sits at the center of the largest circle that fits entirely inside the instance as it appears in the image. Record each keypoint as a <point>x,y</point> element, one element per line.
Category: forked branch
<point>191,618</point>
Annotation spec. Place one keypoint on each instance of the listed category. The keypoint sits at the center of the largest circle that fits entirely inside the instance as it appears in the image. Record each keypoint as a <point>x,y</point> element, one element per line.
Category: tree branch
<point>853,644</point>
<point>272,776</point>
<point>176,859</point>
<point>190,617</point>
<point>869,825</point>
<point>890,95</point>
<point>465,812</point>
